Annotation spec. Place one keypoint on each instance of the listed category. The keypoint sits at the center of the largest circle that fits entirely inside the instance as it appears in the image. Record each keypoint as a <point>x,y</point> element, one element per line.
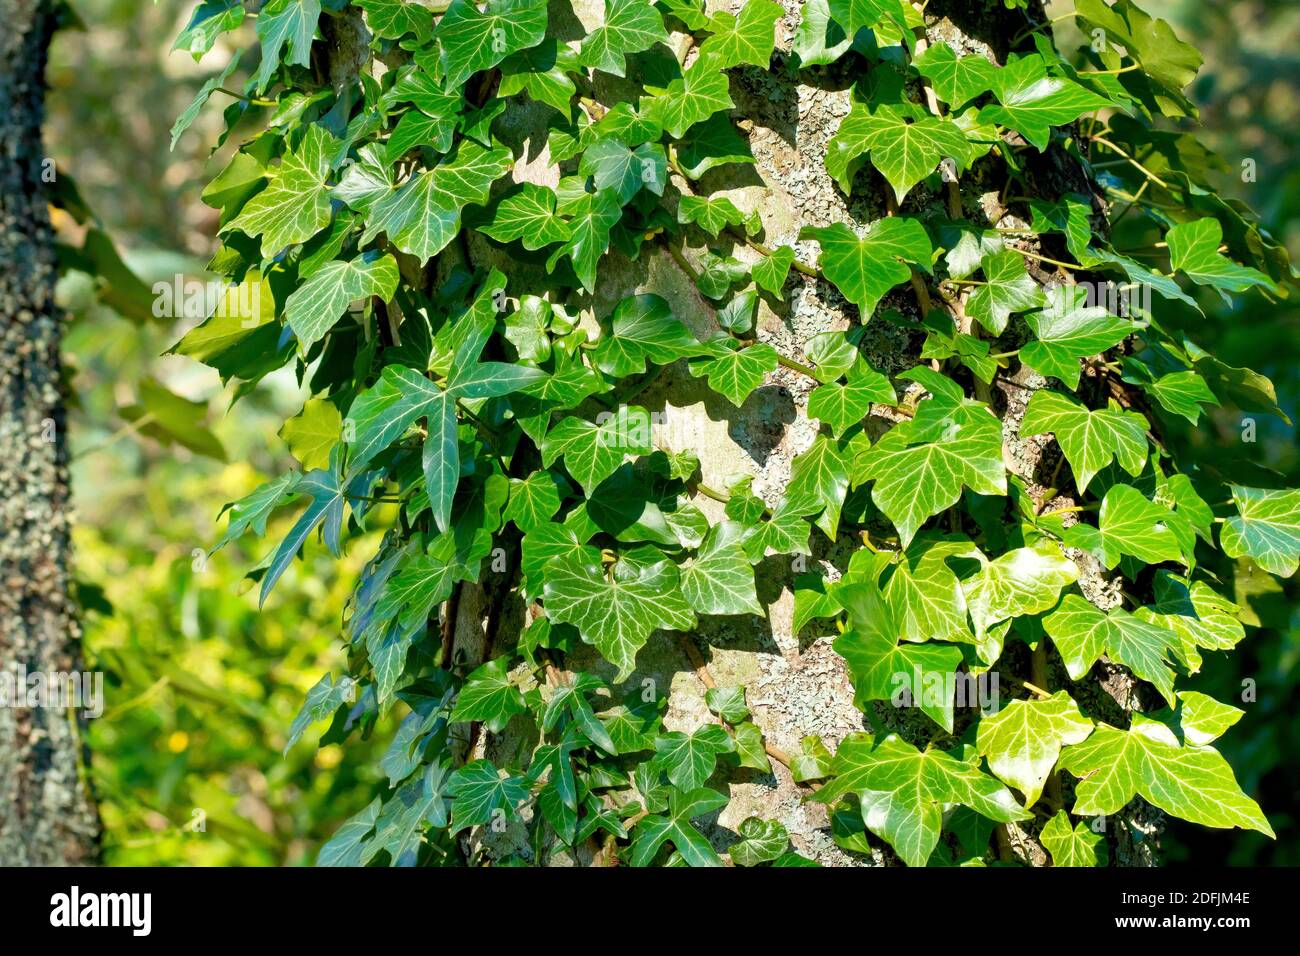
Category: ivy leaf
<point>480,793</point>
<point>1181,393</point>
<point>762,841</point>
<point>920,467</point>
<point>285,21</point>
<point>592,216</point>
<point>533,500</point>
<point>903,791</point>
<point>770,272</point>
<point>325,697</point>
<point>423,216</point>
<point>1199,615</point>
<point>1077,846</point>
<point>529,214</point>
<point>416,805</point>
<point>1203,719</point>
<point>925,593</point>
<point>1165,60</point>
<point>711,143</point>
<point>819,40</point>
<point>1023,740</point>
<point>1032,102</point>
<point>1191,783</point>
<point>709,213</point>
<point>785,533</point>
<point>701,92</point>
<point>209,21</point>
<point>1020,582</point>
<point>728,703</point>
<point>1194,251</point>
<point>1068,330</point>
<point>1265,529</point>
<point>295,206</point>
<point>843,406</point>
<point>388,408</point>
<point>720,579</point>
<point>746,38</point>
<point>819,482</point>
<point>543,73</point>
<point>736,372</point>
<point>644,329</point>
<point>313,432</point>
<point>252,511</point>
<point>879,667</point>
<point>1090,439</point>
<point>472,40</point>
<point>489,696</point>
<point>855,15</point>
<point>1082,633</point>
<point>903,147</point>
<point>864,269</point>
<point>347,844</point>
<point>690,759</point>
<point>630,26</point>
<point>1129,523</point>
<point>393,19</point>
<point>812,762</point>
<point>611,165</point>
<point>327,493</point>
<point>1007,288</point>
<point>315,306</point>
<point>653,831</point>
<point>593,452</point>
<point>956,79</point>
<point>618,612</point>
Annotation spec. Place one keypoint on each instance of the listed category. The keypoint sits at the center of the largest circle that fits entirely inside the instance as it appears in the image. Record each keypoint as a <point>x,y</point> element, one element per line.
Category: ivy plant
<point>1013,491</point>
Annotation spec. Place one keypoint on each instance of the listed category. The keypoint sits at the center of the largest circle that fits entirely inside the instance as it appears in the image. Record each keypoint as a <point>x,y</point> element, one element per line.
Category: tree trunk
<point>46,813</point>
<point>796,684</point>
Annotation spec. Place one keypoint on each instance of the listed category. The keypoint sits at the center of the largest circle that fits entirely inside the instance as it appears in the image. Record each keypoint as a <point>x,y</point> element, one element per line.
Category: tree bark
<point>47,816</point>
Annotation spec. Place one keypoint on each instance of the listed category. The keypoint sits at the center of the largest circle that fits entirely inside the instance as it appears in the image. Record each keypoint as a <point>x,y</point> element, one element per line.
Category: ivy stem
<point>250,100</point>
<point>1133,162</point>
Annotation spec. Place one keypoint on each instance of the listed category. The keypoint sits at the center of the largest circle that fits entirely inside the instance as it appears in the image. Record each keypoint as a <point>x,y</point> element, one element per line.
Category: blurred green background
<point>202,687</point>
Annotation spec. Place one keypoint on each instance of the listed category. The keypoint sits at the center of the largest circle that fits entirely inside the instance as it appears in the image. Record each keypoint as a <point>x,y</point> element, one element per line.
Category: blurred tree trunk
<point>46,814</point>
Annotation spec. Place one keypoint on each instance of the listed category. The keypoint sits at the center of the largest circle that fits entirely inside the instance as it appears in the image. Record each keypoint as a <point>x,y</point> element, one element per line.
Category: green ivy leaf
<point>719,579</point>
<point>1129,523</point>
<point>653,831</point>
<point>1194,251</point>
<point>472,39</point>
<point>735,372</point>
<point>316,305</point>
<point>1007,288</point>
<point>1090,439</point>
<point>1265,529</point>
<point>1083,632</point>
<point>479,793</point>
<point>630,26</point>
<point>1023,740</point>
<point>903,791</point>
<point>616,612</point>
<point>295,206</point>
<point>644,329</point>
<point>592,452</point>
<point>1031,102</point>
<point>956,79</point>
<point>761,842</point>
<point>904,147</point>
<point>748,37</point>
<point>1191,783</point>
<point>489,696</point>
<point>1077,846</point>
<point>1068,330</point>
<point>865,268</point>
<point>281,22</point>
<point>690,759</point>
<point>701,92</point>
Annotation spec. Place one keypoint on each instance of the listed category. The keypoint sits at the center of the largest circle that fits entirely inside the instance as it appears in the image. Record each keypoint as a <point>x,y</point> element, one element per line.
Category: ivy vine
<point>492,430</point>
